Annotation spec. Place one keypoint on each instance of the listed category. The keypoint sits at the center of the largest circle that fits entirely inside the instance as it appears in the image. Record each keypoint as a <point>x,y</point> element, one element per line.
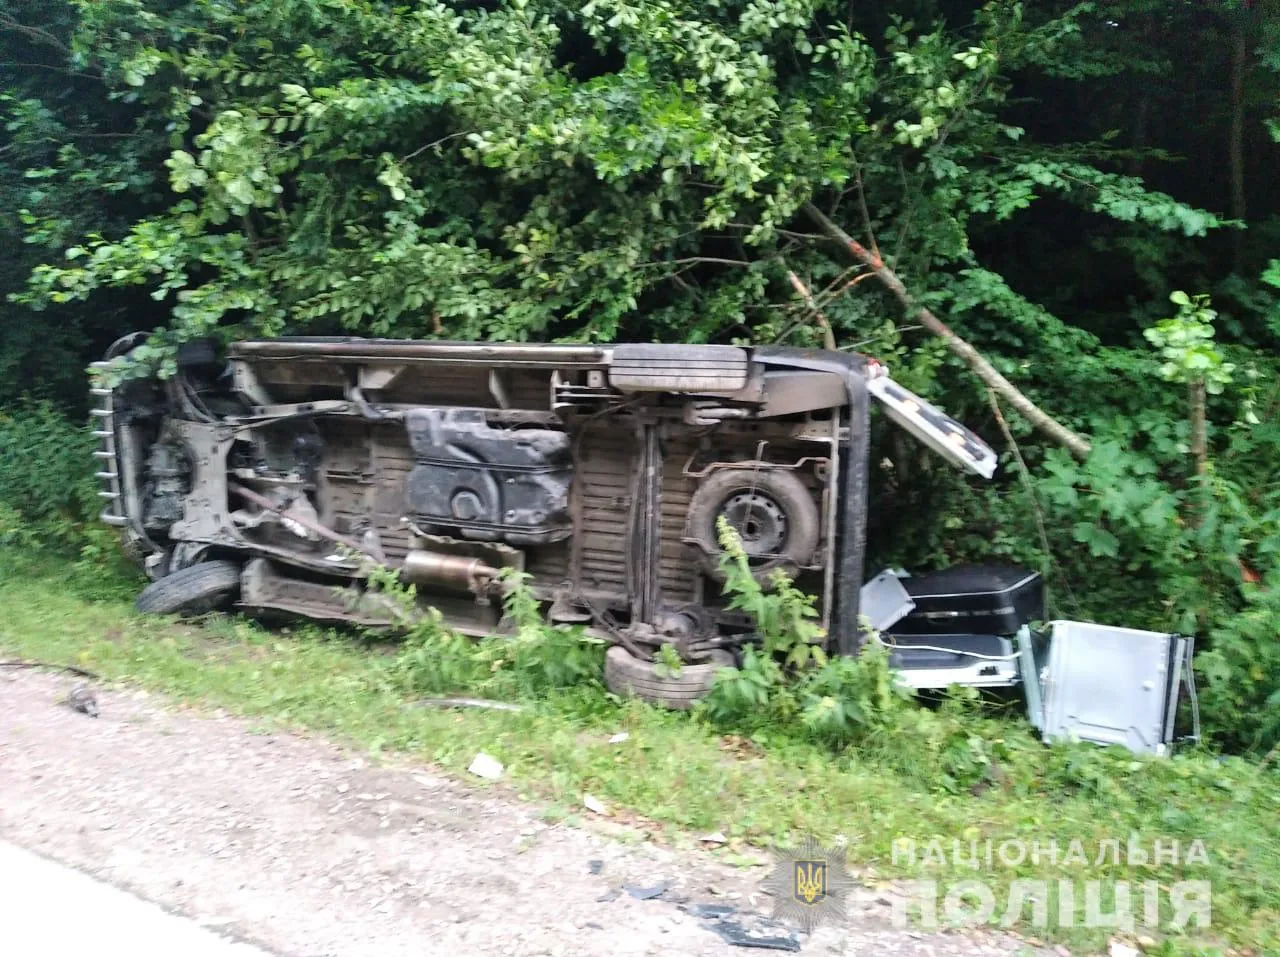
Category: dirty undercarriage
<point>276,474</point>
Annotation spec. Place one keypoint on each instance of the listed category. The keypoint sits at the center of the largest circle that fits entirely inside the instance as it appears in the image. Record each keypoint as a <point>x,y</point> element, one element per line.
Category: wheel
<point>194,590</point>
<point>772,511</point>
<point>625,675</point>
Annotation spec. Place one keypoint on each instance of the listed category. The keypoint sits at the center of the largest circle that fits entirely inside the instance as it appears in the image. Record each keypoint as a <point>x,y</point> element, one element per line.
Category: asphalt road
<point>48,908</point>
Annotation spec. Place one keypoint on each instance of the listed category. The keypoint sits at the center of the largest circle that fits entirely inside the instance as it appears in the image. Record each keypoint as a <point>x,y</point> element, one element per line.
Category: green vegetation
<point>1085,192</point>
<point>690,774</point>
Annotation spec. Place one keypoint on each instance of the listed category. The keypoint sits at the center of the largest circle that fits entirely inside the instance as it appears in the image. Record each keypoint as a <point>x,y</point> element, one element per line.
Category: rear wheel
<point>200,588</point>
<point>625,674</point>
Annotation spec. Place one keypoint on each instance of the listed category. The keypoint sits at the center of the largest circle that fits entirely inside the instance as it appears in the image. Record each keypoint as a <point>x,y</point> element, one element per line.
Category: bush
<point>534,659</point>
<point>849,699</point>
<point>786,686</point>
<point>48,495</point>
<point>1241,672</point>
<point>788,678</point>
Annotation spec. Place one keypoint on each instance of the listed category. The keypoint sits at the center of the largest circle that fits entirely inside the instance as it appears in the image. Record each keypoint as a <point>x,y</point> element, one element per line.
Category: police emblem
<point>809,885</point>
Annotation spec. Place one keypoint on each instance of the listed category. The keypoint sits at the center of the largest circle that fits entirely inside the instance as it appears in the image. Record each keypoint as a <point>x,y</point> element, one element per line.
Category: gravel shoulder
<point>309,850</point>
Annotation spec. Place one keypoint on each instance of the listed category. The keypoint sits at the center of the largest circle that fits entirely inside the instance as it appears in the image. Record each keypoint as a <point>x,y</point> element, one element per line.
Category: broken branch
<point>828,337</point>
<point>1077,444</point>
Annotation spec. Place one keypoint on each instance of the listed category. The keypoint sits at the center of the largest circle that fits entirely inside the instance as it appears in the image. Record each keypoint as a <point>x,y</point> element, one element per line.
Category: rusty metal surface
<point>435,568</point>
<point>328,420</point>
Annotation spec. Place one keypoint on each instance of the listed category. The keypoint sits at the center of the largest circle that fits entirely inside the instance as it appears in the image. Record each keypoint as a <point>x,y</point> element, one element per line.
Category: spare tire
<point>625,674</point>
<point>772,511</point>
<point>200,588</point>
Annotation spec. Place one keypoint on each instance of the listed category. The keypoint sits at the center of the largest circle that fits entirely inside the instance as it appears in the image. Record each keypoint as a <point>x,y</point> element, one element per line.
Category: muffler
<point>422,567</point>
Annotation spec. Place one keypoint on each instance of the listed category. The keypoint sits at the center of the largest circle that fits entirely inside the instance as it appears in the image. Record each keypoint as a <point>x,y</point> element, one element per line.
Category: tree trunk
<point>1077,444</point>
<point>1235,146</point>
<point>1140,132</point>
<point>1199,444</point>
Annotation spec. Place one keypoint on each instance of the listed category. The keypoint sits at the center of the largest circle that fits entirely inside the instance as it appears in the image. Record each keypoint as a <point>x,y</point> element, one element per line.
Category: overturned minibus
<point>270,476</point>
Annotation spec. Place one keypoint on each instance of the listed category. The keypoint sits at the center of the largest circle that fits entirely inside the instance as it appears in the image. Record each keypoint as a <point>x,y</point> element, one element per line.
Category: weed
<point>667,663</point>
<point>535,659</point>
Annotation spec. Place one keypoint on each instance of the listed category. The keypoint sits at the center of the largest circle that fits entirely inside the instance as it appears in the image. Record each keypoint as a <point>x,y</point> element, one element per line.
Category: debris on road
<point>83,699</point>
<point>469,703</point>
<point>715,837</point>
<point>647,893</point>
<point>763,933</point>
<point>709,911</point>
<point>1117,949</point>
<point>595,805</point>
<point>485,766</point>
<point>595,867</point>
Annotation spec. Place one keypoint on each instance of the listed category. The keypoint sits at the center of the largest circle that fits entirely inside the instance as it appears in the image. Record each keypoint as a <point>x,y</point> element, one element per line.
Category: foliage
<point>853,698</point>
<point>838,702</point>
<point>784,615</point>
<point>540,657</point>
<point>1242,670</point>
<point>746,691</point>
<point>534,659</point>
<point>1186,345</point>
<point>48,495</point>
<point>539,169</point>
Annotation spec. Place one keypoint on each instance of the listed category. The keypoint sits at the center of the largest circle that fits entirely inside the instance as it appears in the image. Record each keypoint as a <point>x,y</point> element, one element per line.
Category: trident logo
<point>811,882</point>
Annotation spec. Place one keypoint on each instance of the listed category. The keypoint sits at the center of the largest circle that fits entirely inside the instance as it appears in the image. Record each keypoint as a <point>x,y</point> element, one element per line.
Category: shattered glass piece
<point>647,893</point>
<point>761,933</point>
<point>710,911</point>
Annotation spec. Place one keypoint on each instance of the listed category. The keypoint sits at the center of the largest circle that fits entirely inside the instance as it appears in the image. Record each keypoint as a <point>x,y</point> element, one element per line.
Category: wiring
<point>948,651</point>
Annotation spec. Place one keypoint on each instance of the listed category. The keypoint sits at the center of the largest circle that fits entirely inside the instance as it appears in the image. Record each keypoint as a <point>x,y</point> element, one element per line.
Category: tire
<point>200,588</point>
<point>782,493</point>
<point>625,675</point>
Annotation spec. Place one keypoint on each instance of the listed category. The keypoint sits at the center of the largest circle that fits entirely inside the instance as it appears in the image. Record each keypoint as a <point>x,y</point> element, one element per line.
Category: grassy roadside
<point>682,775</point>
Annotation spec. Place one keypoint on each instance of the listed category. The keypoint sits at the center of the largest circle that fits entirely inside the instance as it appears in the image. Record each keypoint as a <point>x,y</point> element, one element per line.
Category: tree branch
<point>1024,474</point>
<point>828,337</point>
<point>33,33</point>
<point>695,260</point>
<point>1077,444</point>
<point>434,143</point>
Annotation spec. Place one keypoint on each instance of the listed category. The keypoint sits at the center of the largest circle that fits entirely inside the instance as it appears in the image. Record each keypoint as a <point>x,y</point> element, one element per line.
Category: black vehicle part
<point>625,674</point>
<point>488,483</point>
<point>195,590</point>
<point>198,354</point>
<point>973,599</point>
<point>168,483</point>
<point>772,511</point>
<point>851,542</point>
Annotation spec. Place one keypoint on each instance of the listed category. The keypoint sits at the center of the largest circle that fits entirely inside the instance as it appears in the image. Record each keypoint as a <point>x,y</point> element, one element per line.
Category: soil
<point>307,849</point>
